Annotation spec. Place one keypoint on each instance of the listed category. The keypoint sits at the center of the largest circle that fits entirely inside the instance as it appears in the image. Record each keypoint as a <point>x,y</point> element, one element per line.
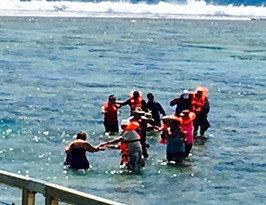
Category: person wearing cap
<point>137,114</point>
<point>138,117</point>
<point>156,110</point>
<point>76,151</point>
<point>182,102</point>
<point>130,141</point>
<point>134,102</point>
<point>187,127</point>
<point>175,149</point>
<point>201,107</point>
<point>109,109</point>
<point>146,120</point>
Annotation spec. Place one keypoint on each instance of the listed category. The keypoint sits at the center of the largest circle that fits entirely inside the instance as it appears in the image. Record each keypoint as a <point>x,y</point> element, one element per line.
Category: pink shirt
<point>188,130</point>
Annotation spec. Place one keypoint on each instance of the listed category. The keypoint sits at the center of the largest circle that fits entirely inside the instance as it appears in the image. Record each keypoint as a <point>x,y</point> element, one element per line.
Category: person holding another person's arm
<point>76,151</point>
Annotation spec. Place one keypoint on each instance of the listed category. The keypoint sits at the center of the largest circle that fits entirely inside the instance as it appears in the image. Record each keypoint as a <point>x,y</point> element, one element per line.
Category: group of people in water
<point>177,130</point>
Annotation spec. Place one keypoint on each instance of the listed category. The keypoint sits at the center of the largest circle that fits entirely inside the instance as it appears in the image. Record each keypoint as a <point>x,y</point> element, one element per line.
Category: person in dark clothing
<point>135,101</point>
<point>156,110</point>
<point>182,102</point>
<point>76,152</point>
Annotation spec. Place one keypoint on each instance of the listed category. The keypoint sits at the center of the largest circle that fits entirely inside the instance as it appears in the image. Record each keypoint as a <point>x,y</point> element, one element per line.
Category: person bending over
<point>76,152</point>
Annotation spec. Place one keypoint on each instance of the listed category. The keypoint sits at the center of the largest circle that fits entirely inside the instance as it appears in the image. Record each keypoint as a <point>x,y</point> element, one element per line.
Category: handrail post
<point>28,197</point>
<point>50,200</point>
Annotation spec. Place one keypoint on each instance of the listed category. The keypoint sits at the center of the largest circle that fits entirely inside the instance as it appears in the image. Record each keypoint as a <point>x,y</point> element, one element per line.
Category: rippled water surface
<point>57,72</point>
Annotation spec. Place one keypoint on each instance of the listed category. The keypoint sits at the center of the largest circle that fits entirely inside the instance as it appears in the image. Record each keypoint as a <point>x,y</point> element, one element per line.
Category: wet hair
<point>111,97</point>
<point>136,94</point>
<point>82,135</point>
<point>149,95</point>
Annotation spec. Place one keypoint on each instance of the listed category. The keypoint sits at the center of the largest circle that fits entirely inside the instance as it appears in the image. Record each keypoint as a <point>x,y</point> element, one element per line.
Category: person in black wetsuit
<point>156,110</point>
<point>182,102</point>
<point>76,152</point>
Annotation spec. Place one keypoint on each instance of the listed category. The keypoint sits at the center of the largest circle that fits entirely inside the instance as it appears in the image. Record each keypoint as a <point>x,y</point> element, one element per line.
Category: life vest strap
<point>130,141</point>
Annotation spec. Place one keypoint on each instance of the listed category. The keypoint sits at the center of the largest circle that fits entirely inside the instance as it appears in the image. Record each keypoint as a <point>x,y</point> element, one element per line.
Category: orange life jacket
<point>198,103</point>
<point>132,126</point>
<point>123,145</point>
<point>191,117</point>
<point>124,153</point>
<point>134,103</point>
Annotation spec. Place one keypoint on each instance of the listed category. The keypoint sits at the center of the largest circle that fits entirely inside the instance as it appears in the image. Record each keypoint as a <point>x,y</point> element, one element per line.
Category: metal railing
<point>53,193</point>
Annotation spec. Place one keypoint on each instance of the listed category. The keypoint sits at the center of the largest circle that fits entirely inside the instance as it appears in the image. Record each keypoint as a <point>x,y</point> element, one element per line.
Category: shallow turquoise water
<point>57,72</point>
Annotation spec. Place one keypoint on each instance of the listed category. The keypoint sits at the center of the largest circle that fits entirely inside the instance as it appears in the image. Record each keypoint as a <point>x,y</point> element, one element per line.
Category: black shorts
<point>111,127</point>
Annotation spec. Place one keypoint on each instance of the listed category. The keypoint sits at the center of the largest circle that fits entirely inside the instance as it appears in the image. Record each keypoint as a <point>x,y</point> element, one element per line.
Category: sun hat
<point>147,116</point>
<point>138,110</point>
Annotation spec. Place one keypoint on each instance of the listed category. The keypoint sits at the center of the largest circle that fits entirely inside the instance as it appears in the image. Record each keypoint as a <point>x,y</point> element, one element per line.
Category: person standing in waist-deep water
<point>182,102</point>
<point>187,127</point>
<point>141,129</point>
<point>109,109</point>
<point>156,110</point>
<point>200,106</point>
<point>145,125</point>
<point>76,151</point>
<point>175,149</point>
<point>130,145</point>
<point>135,101</point>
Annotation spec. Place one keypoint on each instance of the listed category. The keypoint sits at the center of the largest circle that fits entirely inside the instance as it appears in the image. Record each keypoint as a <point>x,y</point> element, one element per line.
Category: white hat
<point>138,110</point>
<point>125,122</point>
<point>186,92</point>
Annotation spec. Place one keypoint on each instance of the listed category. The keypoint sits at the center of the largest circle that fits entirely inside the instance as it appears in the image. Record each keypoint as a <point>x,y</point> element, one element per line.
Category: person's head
<point>174,125</point>
<point>82,135</point>
<point>112,99</point>
<point>199,93</point>
<point>136,94</point>
<point>124,123</point>
<point>185,94</point>
<point>150,97</point>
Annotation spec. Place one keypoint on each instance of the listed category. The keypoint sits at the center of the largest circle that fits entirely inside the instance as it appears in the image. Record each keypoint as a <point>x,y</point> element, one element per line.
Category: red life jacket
<point>134,103</point>
<point>110,115</point>
<point>198,103</point>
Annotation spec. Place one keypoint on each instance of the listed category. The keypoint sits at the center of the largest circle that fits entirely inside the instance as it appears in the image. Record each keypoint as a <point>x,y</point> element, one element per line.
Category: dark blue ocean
<point>60,60</point>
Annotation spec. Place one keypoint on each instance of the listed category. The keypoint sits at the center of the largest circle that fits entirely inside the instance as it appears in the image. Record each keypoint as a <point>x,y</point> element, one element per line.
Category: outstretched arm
<point>114,141</point>
<point>90,148</point>
<point>120,104</point>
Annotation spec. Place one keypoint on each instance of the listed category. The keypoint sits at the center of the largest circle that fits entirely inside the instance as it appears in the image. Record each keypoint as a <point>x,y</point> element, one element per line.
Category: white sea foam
<point>190,10</point>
